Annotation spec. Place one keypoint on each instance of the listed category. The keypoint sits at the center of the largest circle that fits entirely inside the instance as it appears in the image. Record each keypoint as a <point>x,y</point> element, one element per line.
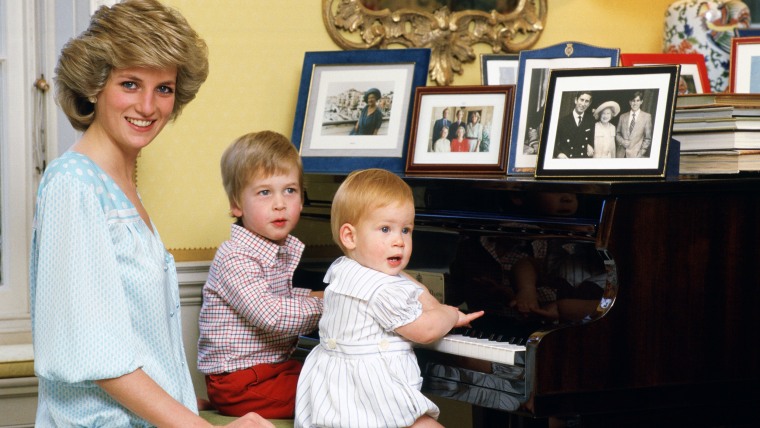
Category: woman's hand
<point>250,420</point>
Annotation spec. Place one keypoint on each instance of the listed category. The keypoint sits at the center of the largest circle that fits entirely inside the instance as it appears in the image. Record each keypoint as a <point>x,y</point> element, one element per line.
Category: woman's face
<point>606,115</point>
<point>474,118</point>
<point>135,105</point>
<point>460,132</point>
<point>371,99</point>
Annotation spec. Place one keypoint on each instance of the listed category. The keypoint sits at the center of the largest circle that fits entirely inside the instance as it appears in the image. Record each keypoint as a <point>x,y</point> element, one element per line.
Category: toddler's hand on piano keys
<point>466,319</point>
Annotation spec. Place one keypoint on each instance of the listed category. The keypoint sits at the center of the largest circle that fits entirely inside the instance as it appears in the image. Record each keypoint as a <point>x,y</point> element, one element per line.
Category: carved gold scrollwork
<point>449,35</point>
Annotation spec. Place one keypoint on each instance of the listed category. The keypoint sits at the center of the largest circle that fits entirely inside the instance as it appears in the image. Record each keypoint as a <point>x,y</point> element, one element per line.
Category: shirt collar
<point>266,249</point>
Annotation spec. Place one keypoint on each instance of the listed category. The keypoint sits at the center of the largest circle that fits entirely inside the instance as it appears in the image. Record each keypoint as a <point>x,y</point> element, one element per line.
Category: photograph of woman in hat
<point>604,130</point>
<point>371,116</point>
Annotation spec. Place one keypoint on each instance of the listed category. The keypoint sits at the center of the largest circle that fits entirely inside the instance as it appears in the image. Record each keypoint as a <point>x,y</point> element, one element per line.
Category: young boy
<point>252,315</point>
<point>364,371</point>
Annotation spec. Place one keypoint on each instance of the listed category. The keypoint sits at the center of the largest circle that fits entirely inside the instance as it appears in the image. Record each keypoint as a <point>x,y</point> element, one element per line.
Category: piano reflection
<point>642,307</point>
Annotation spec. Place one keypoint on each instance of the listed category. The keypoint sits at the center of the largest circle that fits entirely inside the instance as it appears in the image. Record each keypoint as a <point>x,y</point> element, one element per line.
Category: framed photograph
<point>499,69</point>
<point>530,95</point>
<point>744,71</point>
<point>460,130</point>
<point>354,108</point>
<point>693,78</point>
<point>608,122</point>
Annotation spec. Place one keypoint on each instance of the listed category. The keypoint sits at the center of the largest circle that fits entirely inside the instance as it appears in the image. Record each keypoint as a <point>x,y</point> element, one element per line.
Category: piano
<point>671,339</point>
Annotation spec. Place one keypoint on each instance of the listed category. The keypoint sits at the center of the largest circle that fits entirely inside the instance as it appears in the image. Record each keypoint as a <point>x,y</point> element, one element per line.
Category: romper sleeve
<point>81,323</point>
<point>396,304</point>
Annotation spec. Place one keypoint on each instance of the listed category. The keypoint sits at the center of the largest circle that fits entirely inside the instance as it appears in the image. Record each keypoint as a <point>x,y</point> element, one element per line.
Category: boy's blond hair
<point>364,191</point>
<point>257,155</point>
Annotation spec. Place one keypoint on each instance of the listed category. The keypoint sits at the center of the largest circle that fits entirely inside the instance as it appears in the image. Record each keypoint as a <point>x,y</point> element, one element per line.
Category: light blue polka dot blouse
<point>105,299</point>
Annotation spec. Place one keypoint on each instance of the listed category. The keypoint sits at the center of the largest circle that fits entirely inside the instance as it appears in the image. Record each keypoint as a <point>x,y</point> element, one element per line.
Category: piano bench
<point>217,419</point>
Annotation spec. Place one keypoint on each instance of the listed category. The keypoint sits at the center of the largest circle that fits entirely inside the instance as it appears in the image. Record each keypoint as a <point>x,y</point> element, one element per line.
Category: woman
<point>105,299</point>
<point>460,143</point>
<point>370,117</point>
<point>604,131</point>
<point>443,145</point>
<point>474,132</point>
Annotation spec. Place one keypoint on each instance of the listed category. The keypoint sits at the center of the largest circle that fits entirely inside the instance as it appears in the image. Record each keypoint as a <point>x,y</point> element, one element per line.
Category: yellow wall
<point>256,53</point>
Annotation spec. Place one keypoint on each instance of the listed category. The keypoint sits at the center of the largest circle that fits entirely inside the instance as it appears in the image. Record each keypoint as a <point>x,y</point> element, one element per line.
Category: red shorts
<point>267,389</point>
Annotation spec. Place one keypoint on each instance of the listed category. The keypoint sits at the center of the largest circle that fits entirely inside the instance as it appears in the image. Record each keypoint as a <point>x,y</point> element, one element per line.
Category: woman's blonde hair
<point>257,155</point>
<point>133,33</point>
<point>363,191</point>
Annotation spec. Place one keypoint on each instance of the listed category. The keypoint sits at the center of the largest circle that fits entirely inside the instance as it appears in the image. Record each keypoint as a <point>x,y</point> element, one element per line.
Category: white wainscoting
<point>18,396</point>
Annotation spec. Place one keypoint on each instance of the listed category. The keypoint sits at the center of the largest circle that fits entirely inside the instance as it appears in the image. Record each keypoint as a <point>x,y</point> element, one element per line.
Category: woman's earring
<point>93,100</point>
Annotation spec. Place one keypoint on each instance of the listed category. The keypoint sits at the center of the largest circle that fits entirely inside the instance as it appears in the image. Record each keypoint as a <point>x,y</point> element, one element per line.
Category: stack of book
<point>719,133</point>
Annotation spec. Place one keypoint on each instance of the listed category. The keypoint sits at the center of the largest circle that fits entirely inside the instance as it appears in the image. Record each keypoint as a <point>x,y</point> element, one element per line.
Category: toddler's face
<point>271,206</point>
<point>557,203</point>
<point>383,239</point>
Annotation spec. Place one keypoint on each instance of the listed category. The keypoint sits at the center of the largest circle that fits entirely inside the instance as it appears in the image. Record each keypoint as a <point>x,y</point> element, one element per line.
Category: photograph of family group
<point>605,124</point>
<point>469,131</point>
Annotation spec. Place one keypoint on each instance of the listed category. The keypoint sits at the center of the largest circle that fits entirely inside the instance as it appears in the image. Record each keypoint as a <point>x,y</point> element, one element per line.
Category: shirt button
<point>331,344</point>
<point>383,345</point>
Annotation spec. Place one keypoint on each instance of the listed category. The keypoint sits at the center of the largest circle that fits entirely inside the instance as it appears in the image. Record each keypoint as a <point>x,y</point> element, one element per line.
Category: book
<point>718,98</point>
<point>719,162</point>
<point>718,140</point>
<point>714,112</point>
<point>738,123</point>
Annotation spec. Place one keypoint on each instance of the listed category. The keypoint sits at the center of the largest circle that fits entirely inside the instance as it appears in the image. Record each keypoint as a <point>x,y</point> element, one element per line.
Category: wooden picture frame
<point>533,72</point>
<point>571,150</point>
<point>335,87</point>
<point>479,146</point>
<point>693,78</point>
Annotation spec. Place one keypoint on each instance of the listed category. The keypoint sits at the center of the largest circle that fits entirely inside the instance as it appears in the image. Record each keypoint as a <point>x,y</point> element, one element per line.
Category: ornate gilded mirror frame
<point>449,35</point>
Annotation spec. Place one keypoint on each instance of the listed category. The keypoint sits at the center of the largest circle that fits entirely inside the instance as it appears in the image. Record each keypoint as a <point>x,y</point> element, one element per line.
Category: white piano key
<point>471,347</point>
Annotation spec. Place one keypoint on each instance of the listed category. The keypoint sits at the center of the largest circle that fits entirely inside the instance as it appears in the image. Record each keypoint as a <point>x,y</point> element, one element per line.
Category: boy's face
<point>383,239</point>
<point>271,206</point>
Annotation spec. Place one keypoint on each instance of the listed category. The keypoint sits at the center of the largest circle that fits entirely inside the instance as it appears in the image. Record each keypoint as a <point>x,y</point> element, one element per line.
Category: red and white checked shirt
<point>251,312</point>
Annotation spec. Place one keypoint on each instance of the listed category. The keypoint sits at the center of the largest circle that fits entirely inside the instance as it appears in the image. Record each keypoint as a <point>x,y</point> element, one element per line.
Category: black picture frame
<point>562,148</point>
<point>499,69</point>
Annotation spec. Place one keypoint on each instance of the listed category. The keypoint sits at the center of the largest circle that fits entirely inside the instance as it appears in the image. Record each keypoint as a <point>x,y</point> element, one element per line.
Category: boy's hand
<point>526,302</point>
<point>465,319</point>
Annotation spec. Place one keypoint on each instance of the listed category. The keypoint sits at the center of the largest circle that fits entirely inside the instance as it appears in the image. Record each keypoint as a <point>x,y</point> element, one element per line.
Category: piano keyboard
<point>482,349</point>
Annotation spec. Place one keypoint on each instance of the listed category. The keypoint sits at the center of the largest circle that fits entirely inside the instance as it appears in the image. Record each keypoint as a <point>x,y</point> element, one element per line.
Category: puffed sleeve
<point>396,304</point>
<point>81,323</point>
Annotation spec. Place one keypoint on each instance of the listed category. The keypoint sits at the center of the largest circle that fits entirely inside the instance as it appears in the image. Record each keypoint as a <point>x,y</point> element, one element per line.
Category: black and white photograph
<point>533,72</point>
<point>613,122</point>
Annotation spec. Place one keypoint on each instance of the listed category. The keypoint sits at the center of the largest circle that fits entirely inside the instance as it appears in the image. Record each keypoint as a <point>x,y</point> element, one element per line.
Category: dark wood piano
<point>674,341</point>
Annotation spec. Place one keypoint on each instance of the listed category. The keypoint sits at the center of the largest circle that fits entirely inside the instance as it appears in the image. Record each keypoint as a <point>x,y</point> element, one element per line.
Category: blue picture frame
<point>334,85</point>
<point>530,96</point>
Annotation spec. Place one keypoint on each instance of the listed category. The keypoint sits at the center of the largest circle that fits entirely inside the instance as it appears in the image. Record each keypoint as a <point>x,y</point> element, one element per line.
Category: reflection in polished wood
<point>449,35</point>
